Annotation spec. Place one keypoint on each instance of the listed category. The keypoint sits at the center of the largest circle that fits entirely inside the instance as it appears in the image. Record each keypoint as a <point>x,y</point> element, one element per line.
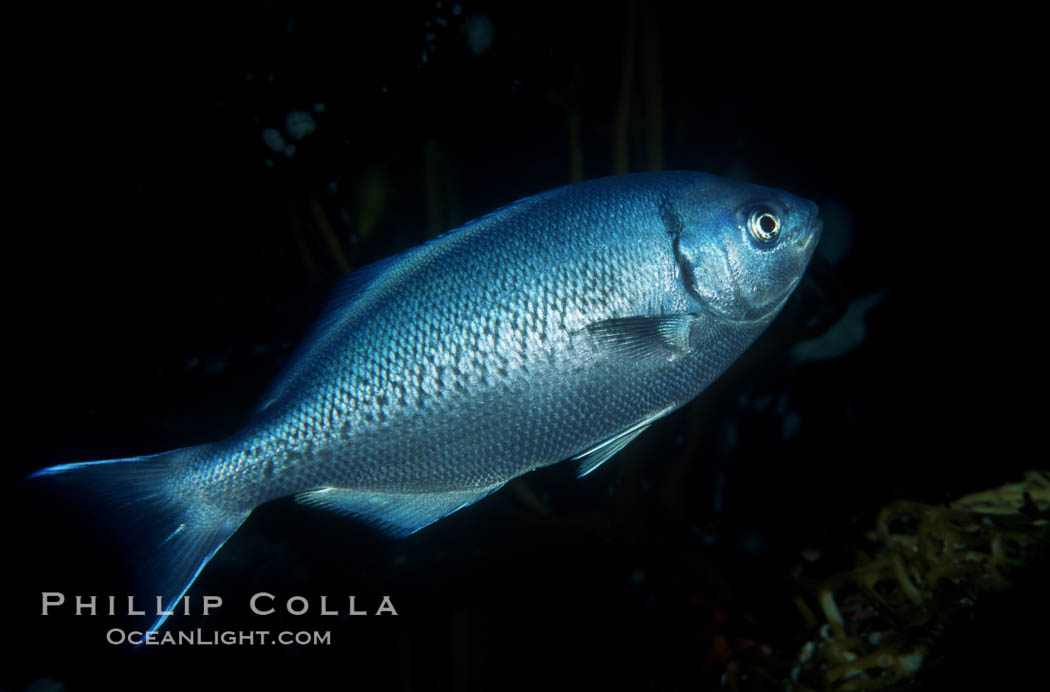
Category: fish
<point>559,327</point>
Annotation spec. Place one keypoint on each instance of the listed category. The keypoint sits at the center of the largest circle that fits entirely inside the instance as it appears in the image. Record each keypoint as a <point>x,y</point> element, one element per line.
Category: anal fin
<point>396,514</point>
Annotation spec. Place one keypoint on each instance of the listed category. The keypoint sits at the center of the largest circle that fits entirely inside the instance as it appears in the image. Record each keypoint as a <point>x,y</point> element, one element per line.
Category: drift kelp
<point>558,327</point>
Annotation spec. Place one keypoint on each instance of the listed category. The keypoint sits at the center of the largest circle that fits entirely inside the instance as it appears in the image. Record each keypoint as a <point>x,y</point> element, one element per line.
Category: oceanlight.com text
<point>202,637</point>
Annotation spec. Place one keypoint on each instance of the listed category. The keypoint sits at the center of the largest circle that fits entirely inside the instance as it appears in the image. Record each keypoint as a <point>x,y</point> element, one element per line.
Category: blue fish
<point>558,327</point>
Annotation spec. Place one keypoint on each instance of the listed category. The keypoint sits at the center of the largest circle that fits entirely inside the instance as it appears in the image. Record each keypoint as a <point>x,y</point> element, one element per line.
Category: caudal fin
<point>169,536</point>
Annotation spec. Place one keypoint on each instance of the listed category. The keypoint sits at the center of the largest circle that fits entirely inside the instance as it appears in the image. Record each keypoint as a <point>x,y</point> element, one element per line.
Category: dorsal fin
<point>351,292</point>
<point>348,292</point>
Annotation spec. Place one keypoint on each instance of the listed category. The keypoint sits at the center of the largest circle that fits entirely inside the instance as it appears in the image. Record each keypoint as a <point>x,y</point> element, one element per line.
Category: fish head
<point>741,249</point>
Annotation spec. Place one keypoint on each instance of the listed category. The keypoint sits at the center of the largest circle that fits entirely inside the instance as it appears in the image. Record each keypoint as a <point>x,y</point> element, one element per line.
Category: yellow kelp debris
<point>877,623</point>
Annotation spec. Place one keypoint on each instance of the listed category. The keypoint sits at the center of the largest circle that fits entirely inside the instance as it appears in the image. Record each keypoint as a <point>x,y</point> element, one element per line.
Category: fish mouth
<point>812,235</point>
<point>813,229</point>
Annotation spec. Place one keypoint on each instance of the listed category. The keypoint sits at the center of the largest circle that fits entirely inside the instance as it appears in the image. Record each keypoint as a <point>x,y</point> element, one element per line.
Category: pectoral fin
<point>663,336</point>
<point>396,514</point>
<point>598,455</point>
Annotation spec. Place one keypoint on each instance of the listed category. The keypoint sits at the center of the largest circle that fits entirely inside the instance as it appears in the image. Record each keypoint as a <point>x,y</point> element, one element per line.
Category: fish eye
<point>763,226</point>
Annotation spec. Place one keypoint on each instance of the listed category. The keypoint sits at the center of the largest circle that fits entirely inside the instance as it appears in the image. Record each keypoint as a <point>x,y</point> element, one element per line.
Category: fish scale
<point>558,327</point>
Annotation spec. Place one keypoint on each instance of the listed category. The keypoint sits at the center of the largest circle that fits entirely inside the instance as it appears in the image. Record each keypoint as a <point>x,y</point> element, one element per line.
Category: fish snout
<point>814,226</point>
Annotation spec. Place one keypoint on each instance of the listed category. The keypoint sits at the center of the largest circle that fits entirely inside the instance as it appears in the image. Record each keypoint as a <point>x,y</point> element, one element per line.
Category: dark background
<point>163,261</point>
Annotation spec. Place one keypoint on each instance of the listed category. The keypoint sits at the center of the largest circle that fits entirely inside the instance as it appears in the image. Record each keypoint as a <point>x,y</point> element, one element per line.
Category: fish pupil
<point>764,227</point>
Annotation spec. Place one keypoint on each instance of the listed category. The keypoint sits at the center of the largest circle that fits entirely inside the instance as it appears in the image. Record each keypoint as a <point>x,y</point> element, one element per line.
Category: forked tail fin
<point>169,536</point>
